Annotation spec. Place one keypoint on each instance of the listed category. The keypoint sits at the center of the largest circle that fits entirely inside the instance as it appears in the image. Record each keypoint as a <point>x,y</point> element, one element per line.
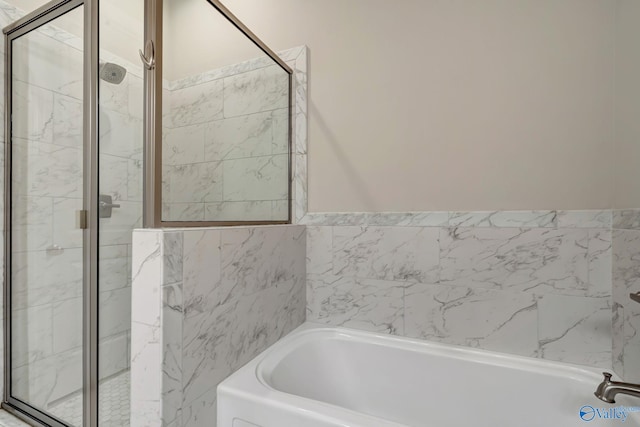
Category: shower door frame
<point>152,181</point>
<point>87,217</point>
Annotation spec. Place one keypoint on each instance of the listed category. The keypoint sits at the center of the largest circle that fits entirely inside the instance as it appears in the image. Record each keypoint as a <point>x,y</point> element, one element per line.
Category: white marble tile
<point>585,219</point>
<point>114,355</point>
<point>172,316</point>
<point>42,169</point>
<point>67,367</point>
<point>205,360</point>
<point>202,411</point>
<point>66,233</point>
<point>220,73</point>
<point>260,90</point>
<point>183,145</point>
<point>48,379</point>
<point>115,97</point>
<point>280,210</point>
<point>390,253</point>
<point>628,219</point>
<point>238,68</point>
<point>115,311</point>
<point>67,121</point>
<point>631,364</point>
<point>631,336</point>
<point>239,137</point>
<point>145,413</point>
<point>489,319</point>
<point>368,304</point>
<point>626,264</point>
<point>121,135</point>
<point>32,211</point>
<point>134,181</point>
<point>40,278</point>
<point>280,132</point>
<point>172,257</point>
<point>135,104</point>
<point>540,260</point>
<point>146,277</point>
<point>48,63</point>
<point>32,383</point>
<point>617,324</point>
<point>300,106</point>
<point>319,250</point>
<point>67,324</point>
<point>114,176</point>
<point>113,268</point>
<point>185,212</point>
<point>117,229</point>
<point>196,104</point>
<point>300,136</point>
<point>503,219</point>
<point>197,182</point>
<point>146,375</point>
<point>167,118</point>
<point>220,341</point>
<point>292,53</point>
<point>260,210</point>
<point>201,268</point>
<point>32,335</point>
<point>387,219</point>
<point>600,262</point>
<point>256,258</point>
<point>575,329</point>
<point>418,219</point>
<point>256,178</point>
<point>283,304</point>
<point>32,223</point>
<point>299,188</point>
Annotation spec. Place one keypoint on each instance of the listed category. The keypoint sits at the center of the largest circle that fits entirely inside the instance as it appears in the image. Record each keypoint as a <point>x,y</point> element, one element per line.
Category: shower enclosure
<point>103,136</point>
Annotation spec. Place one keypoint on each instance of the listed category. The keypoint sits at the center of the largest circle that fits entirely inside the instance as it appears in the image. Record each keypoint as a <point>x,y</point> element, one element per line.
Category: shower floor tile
<point>113,406</point>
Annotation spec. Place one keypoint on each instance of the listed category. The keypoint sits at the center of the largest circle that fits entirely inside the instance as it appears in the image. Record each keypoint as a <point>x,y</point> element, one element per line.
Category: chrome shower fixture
<point>112,73</point>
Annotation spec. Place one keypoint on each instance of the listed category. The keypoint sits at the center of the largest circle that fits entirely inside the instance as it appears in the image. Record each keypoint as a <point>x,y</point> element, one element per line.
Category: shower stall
<point>117,117</point>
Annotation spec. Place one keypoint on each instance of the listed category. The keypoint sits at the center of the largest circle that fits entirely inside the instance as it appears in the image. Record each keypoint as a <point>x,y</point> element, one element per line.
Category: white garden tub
<point>321,377</point>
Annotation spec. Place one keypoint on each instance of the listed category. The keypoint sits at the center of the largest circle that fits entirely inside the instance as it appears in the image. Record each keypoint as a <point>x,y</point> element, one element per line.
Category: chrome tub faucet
<point>608,389</point>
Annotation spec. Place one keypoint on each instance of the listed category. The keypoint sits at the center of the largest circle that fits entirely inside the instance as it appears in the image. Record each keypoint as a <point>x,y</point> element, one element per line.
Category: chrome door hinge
<point>83,220</point>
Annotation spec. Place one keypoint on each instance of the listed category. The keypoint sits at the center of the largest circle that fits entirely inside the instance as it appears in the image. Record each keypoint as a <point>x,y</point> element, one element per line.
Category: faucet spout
<point>608,389</point>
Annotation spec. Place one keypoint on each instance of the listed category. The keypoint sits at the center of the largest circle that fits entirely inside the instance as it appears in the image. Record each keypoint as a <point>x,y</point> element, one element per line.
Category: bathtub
<point>328,377</point>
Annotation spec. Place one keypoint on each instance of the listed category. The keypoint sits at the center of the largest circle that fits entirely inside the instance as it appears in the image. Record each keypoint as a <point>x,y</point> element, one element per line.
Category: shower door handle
<point>150,60</point>
<point>106,206</point>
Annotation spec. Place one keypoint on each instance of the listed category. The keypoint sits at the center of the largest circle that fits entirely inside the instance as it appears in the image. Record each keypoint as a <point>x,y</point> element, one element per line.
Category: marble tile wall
<point>206,301</point>
<point>535,283</point>
<point>626,280</point>
<point>225,142</point>
<point>47,158</point>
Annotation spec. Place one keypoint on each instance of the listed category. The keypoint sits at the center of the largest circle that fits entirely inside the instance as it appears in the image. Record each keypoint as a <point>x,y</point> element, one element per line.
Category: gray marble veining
<point>218,297</point>
<point>490,285</point>
<point>236,120</point>
<point>399,253</point>
<point>534,259</point>
<point>628,219</point>
<point>484,318</point>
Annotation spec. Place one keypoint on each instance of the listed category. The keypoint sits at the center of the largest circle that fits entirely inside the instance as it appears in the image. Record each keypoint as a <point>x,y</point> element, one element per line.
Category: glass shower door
<point>120,147</point>
<point>46,250</point>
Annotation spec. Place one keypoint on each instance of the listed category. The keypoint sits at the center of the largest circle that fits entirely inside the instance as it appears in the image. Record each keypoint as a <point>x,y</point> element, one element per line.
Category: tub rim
<point>308,332</point>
